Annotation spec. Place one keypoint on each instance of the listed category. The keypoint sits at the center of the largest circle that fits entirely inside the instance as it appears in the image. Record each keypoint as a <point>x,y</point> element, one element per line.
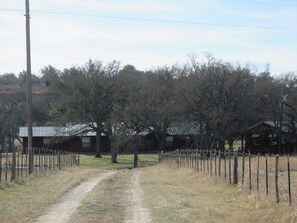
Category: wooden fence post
<point>6,166</point>
<point>219,162</point>
<point>18,165</point>
<point>0,167</point>
<point>258,160</point>
<point>266,173</point>
<point>250,173</point>
<point>235,167</point>
<point>243,168</point>
<point>207,161</point>
<point>215,163</point>
<point>201,161</point>
<point>39,160</point>
<point>22,164</point>
<point>276,179</point>
<point>26,161</point>
<point>289,179</point>
<point>229,167</point>
<point>210,159</point>
<point>225,166</point>
<point>59,160</point>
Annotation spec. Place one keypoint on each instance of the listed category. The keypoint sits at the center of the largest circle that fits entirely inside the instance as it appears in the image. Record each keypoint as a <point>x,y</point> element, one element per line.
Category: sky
<point>149,33</point>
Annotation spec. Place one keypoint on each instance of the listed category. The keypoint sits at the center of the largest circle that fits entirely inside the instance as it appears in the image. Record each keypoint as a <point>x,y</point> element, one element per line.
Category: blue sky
<point>150,33</point>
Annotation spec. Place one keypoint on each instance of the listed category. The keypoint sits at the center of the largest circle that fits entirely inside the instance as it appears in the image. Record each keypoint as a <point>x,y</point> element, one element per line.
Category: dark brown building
<point>64,139</point>
<point>263,138</point>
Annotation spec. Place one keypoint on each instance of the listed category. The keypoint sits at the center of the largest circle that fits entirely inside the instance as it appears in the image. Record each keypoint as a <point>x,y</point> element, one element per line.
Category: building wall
<point>72,144</point>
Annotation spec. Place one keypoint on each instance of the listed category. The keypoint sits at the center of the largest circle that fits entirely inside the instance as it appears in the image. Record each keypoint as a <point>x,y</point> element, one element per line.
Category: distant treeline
<point>221,97</point>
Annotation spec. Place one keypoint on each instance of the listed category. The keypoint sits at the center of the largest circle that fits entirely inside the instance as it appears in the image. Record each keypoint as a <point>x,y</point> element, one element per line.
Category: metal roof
<point>183,128</point>
<point>52,131</point>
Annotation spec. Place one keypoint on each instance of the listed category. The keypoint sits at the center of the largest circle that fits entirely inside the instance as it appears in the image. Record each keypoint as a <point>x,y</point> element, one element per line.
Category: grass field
<point>24,200</point>
<point>183,195</point>
<point>124,161</point>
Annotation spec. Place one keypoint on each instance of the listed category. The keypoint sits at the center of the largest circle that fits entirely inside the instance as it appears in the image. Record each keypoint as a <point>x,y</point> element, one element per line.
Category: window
<point>46,141</point>
<point>256,139</point>
<point>169,140</point>
<point>273,139</point>
<point>86,142</point>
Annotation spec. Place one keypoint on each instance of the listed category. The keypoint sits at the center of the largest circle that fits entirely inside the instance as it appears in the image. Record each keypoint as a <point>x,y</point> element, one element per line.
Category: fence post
<point>22,164</point>
<point>229,167</point>
<point>266,173</point>
<point>225,166</point>
<point>235,167</point>
<point>207,161</point>
<point>250,172</point>
<point>6,165</point>
<point>59,160</point>
<point>18,165</point>
<point>243,168</point>
<point>204,168</point>
<point>34,160</point>
<point>216,163</point>
<point>26,161</point>
<point>289,179</point>
<point>0,167</point>
<point>201,161</point>
<point>210,159</point>
<point>219,162</point>
<point>39,160</point>
<point>258,160</point>
<point>276,179</point>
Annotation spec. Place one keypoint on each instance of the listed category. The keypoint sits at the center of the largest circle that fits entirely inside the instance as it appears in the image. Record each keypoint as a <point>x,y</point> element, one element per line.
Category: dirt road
<point>61,211</point>
<point>127,193</point>
<point>140,213</point>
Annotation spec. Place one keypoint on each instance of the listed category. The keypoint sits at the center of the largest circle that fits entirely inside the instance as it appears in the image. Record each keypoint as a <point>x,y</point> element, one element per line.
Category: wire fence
<point>15,166</point>
<point>275,175</point>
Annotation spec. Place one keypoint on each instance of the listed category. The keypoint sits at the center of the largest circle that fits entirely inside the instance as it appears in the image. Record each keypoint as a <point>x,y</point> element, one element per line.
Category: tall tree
<point>87,97</point>
<point>220,97</point>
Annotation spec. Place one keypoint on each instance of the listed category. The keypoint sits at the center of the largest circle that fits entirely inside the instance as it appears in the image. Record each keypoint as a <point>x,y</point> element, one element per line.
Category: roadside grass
<point>29,197</point>
<point>183,195</point>
<point>107,202</point>
<point>22,201</point>
<point>125,161</point>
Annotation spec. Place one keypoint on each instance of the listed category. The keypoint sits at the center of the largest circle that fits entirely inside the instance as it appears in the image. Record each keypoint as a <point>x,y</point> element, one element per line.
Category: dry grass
<point>182,195</point>
<point>107,202</point>
<point>22,201</point>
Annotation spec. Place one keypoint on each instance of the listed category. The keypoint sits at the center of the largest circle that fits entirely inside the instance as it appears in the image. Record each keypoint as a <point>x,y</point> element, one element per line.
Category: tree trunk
<point>114,155</point>
<point>222,145</point>
<point>162,142</point>
<point>98,143</point>
<point>13,163</point>
<point>136,156</point>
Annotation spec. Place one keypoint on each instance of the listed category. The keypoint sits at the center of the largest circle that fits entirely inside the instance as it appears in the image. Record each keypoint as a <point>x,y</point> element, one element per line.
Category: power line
<point>164,20</point>
<point>170,21</point>
<point>261,3</point>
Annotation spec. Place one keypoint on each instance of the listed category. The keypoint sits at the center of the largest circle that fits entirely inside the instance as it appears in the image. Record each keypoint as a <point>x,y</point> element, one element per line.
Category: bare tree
<point>87,97</point>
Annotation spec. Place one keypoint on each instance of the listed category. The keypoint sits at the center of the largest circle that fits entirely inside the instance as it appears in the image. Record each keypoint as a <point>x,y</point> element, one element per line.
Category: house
<point>79,138</point>
<point>66,138</point>
<point>264,136</point>
<point>183,135</point>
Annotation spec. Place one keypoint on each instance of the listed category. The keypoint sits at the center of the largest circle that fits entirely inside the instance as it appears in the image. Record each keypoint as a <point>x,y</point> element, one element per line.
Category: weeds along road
<point>126,194</point>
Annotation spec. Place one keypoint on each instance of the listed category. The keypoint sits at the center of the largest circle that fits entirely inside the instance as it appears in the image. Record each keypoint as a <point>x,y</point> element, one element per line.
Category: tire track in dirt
<point>140,213</point>
<point>61,211</point>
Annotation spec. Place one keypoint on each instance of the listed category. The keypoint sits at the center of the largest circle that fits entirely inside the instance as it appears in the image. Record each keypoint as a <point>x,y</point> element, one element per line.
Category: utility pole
<point>29,88</point>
